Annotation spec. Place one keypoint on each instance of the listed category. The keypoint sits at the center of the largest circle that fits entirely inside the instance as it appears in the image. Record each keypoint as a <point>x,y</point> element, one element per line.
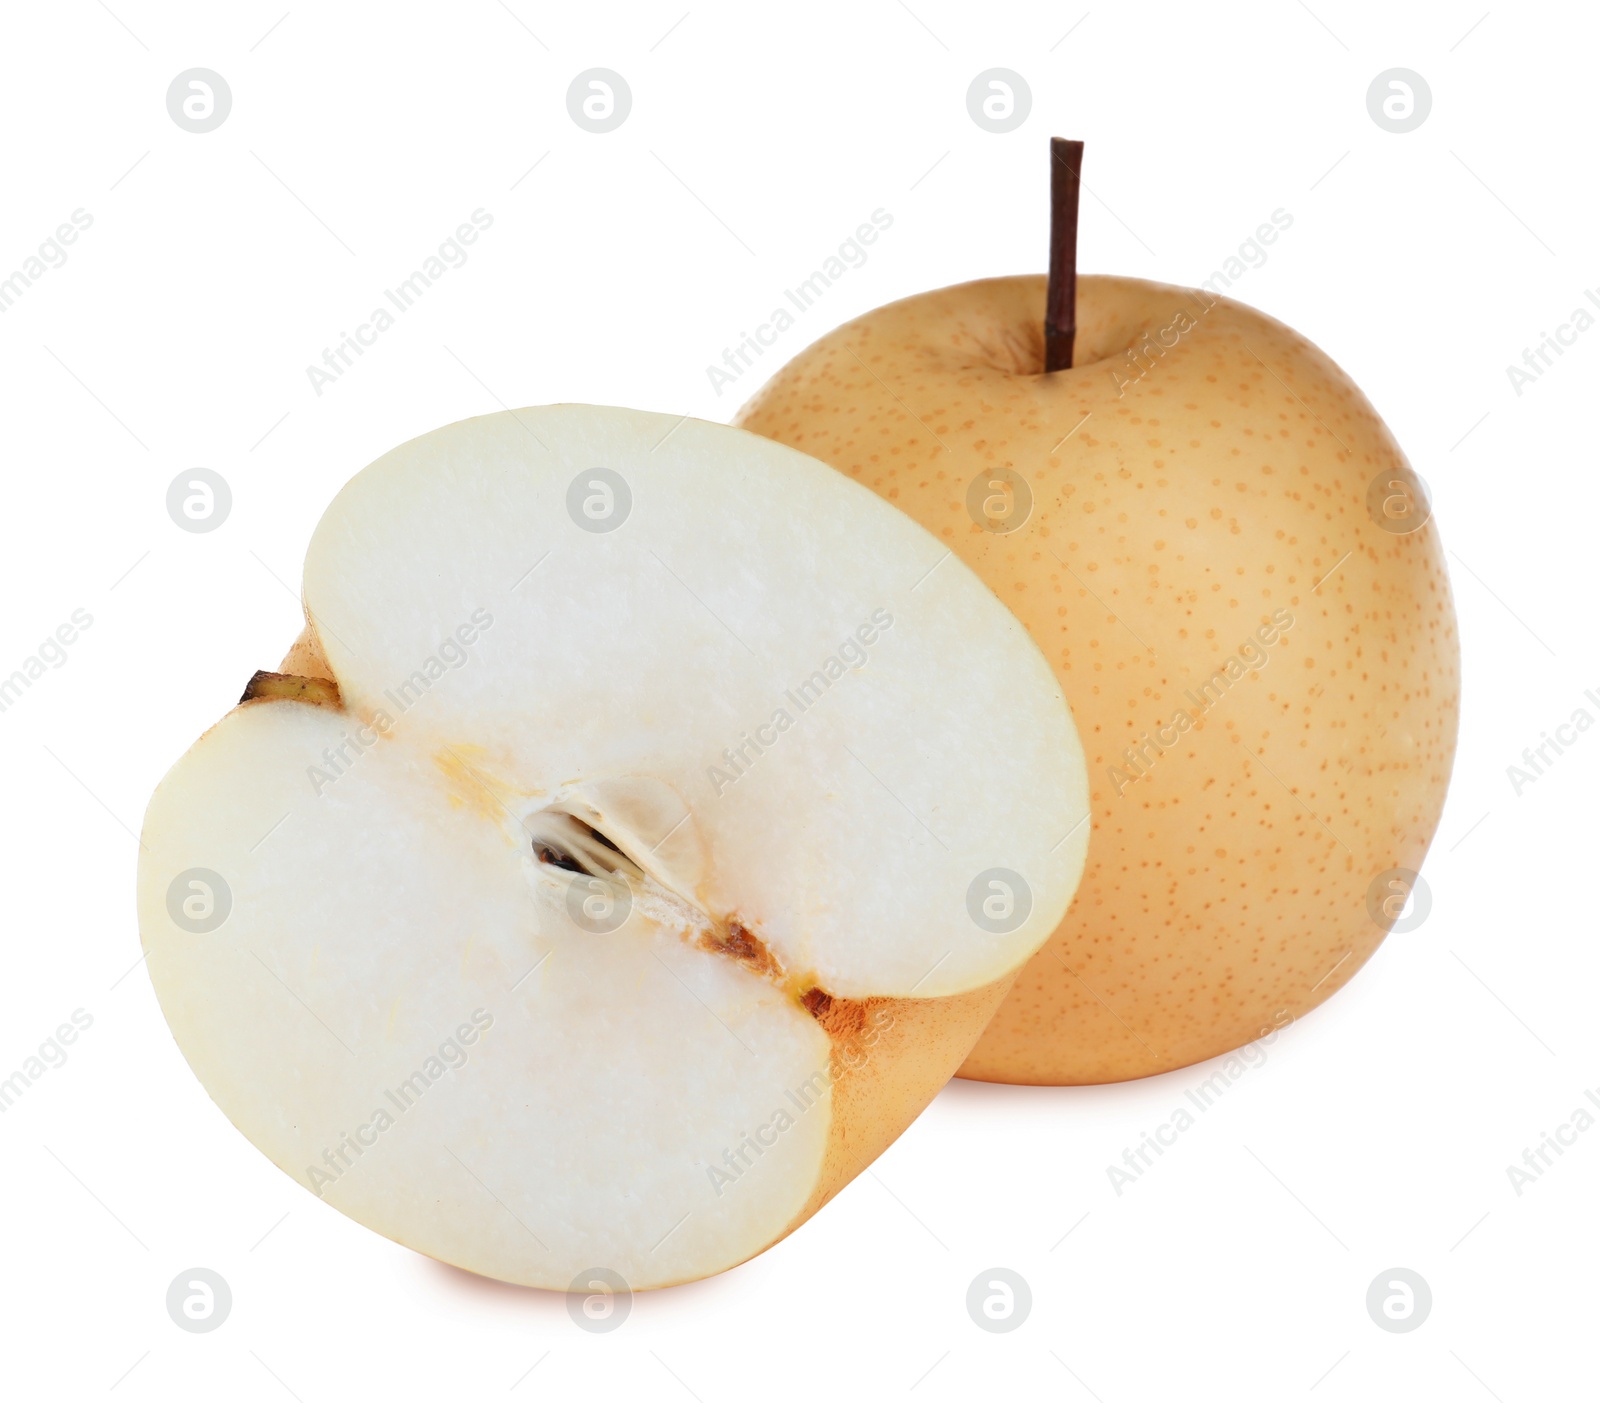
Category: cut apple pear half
<point>643,830</point>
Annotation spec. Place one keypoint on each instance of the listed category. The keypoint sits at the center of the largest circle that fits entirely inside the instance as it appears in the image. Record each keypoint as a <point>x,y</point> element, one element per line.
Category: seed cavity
<point>554,857</point>
<point>564,841</point>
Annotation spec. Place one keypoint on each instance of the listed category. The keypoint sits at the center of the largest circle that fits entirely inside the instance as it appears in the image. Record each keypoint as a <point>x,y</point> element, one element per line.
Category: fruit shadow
<point>551,1306</point>
<point>969,1096</point>
<point>992,1095</point>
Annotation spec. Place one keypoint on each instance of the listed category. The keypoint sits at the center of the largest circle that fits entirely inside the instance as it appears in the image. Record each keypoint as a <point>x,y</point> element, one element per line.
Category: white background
<point>218,266</point>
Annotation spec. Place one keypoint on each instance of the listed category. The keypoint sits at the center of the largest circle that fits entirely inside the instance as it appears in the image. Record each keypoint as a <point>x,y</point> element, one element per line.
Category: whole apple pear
<point>1224,555</point>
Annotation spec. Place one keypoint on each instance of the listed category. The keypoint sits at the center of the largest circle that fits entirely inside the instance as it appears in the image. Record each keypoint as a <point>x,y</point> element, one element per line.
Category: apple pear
<point>1231,568</point>
<point>625,854</point>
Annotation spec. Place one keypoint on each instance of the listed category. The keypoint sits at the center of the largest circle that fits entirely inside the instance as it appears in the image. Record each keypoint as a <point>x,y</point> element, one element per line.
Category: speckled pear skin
<point>1203,472</point>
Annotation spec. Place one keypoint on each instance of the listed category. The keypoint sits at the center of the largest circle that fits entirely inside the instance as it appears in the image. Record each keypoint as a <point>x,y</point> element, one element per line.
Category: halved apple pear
<point>643,830</point>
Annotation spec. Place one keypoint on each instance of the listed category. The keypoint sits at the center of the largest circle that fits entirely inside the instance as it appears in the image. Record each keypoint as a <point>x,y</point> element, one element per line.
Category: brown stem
<point>1061,300</point>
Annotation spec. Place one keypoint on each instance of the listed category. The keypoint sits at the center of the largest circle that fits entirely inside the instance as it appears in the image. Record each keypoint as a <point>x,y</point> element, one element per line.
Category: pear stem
<point>1061,300</point>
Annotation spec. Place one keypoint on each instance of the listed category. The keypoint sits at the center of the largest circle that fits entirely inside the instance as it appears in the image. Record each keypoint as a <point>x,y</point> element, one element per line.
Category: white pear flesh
<point>781,730</point>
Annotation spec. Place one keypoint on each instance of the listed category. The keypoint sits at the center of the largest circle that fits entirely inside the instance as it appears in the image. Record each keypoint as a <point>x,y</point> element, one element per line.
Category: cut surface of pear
<point>597,880</point>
